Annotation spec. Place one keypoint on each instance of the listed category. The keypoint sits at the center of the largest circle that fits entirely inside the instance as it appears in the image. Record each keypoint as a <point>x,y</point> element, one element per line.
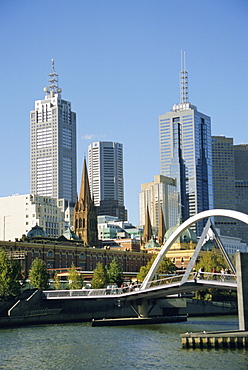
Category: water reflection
<point>79,346</point>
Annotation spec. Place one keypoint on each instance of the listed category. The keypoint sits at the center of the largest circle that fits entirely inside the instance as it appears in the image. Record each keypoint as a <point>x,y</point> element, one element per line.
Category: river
<point>80,346</point>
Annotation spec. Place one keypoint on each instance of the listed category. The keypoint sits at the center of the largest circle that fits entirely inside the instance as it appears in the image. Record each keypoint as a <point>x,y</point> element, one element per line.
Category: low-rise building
<point>60,253</point>
<point>110,228</point>
<point>19,213</point>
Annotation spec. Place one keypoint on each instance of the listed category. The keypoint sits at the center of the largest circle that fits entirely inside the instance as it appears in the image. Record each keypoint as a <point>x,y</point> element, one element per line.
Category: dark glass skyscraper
<point>186,154</point>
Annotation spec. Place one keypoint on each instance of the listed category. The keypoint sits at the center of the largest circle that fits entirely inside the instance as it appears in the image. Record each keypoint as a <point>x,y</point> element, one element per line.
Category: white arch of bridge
<point>205,214</point>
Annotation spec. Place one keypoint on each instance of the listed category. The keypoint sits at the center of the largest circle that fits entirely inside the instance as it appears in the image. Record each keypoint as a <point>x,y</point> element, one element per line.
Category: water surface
<point>79,346</point>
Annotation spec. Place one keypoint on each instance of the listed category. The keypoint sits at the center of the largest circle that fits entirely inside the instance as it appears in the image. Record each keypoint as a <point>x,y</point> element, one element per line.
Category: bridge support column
<point>143,308</point>
<point>242,289</point>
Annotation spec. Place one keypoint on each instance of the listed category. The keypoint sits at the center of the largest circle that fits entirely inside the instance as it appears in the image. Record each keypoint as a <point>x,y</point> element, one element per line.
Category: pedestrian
<point>222,271</point>
<point>195,274</point>
<point>201,273</point>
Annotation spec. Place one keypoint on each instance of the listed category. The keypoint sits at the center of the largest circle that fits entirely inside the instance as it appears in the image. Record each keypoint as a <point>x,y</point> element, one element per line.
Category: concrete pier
<point>242,289</point>
<point>232,339</point>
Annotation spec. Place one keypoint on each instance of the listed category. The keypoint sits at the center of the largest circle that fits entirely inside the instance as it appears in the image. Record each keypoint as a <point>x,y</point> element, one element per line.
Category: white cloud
<point>88,136</point>
<point>93,136</point>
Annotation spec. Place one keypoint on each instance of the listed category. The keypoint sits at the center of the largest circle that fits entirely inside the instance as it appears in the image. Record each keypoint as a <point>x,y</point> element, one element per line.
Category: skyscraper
<point>159,194</point>
<point>105,168</point>
<point>185,153</point>
<point>53,145</point>
<point>224,181</point>
<point>241,187</point>
<point>230,184</point>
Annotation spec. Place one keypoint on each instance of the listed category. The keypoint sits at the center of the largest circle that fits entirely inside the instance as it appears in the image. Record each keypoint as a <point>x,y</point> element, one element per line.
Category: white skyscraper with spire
<point>53,145</point>
<point>186,152</point>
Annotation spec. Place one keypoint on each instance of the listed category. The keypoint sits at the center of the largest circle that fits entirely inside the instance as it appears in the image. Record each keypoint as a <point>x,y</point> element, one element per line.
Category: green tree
<point>38,274</point>
<point>57,282</point>
<point>115,274</point>
<point>212,260</point>
<point>166,267</point>
<point>100,277</point>
<point>10,276</point>
<point>74,278</point>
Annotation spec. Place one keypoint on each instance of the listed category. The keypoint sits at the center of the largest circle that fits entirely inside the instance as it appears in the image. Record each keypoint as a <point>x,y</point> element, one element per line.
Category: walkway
<point>157,289</point>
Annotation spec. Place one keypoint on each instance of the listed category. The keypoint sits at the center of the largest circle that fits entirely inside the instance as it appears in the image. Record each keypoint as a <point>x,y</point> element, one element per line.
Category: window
<point>50,253</point>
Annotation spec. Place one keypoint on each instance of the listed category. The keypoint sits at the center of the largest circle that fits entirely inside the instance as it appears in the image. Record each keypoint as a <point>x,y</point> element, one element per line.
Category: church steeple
<point>147,235</point>
<point>85,215</point>
<point>161,228</point>
<point>85,187</point>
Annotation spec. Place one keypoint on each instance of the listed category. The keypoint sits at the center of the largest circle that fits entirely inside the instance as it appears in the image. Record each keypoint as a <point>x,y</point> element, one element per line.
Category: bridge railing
<point>216,276</point>
<point>166,280</point>
<point>196,276</point>
<point>89,292</point>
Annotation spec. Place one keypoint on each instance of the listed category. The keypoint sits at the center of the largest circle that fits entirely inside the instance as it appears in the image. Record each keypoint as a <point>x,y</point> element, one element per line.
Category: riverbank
<point>32,309</point>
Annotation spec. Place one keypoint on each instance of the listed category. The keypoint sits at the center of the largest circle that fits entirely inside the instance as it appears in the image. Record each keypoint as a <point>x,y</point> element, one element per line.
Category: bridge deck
<point>157,289</point>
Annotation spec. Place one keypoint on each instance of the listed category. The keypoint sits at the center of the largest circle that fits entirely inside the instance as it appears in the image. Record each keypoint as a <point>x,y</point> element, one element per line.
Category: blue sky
<point>118,63</point>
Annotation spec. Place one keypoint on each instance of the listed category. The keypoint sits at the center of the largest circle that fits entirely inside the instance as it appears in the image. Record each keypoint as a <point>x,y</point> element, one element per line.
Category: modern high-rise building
<point>230,184</point>
<point>241,187</point>
<point>241,161</point>
<point>105,169</point>
<point>160,194</point>
<point>223,172</point>
<point>186,153</point>
<point>53,145</point>
<point>224,181</point>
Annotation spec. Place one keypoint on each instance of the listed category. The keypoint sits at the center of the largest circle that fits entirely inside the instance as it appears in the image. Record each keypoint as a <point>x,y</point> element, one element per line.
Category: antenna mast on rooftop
<point>53,80</point>
<point>183,79</point>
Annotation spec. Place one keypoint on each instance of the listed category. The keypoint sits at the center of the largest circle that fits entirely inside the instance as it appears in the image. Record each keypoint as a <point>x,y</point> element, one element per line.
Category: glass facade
<point>159,194</point>
<point>185,154</point>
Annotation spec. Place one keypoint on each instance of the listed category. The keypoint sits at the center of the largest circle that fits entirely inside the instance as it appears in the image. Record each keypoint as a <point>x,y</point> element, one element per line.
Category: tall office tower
<point>241,161</point>
<point>185,153</point>
<point>53,145</point>
<point>160,194</point>
<point>105,167</point>
<point>230,184</point>
<point>241,186</point>
<point>224,181</point>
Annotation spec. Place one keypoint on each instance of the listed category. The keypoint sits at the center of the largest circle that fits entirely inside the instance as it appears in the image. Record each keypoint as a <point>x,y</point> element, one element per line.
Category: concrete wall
<point>35,310</point>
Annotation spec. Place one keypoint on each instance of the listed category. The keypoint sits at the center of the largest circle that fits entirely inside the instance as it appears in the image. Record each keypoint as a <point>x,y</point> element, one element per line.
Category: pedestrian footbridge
<point>174,284</point>
<point>168,286</point>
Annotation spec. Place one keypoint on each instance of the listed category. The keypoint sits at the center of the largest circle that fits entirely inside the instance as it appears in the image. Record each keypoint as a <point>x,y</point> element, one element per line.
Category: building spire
<point>183,80</point>
<point>161,228</point>
<point>85,187</point>
<point>147,234</point>
<point>53,88</point>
